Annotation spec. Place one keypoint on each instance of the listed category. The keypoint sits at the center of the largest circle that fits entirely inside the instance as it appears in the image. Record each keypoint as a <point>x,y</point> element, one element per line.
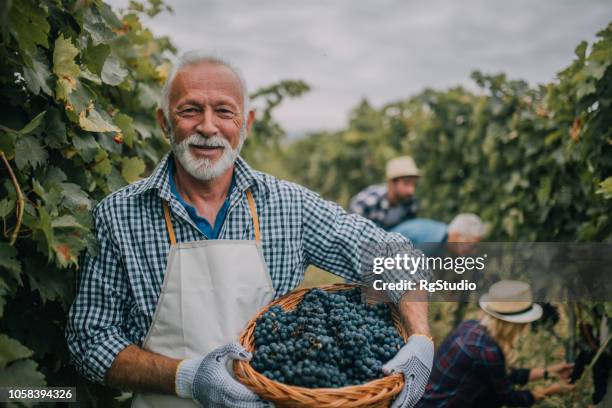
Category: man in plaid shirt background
<point>390,204</point>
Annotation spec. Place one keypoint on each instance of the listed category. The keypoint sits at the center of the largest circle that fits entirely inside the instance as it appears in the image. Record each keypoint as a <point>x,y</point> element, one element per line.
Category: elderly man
<point>392,203</point>
<point>189,254</point>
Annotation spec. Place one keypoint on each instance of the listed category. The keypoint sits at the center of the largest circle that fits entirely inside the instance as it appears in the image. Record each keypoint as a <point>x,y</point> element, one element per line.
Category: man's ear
<point>250,120</point>
<point>161,120</point>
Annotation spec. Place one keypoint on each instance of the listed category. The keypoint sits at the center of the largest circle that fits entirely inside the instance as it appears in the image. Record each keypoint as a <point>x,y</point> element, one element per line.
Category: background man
<point>390,204</point>
<point>189,254</point>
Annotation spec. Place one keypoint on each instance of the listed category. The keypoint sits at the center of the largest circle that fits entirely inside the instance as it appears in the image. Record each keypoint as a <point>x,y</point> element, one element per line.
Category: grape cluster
<point>329,340</point>
<point>550,317</point>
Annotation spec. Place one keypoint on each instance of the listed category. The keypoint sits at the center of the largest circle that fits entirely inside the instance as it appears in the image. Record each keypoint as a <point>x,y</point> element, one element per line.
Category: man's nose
<point>206,126</point>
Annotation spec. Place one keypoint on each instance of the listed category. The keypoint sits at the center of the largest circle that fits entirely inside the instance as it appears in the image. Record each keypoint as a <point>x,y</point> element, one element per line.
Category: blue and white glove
<point>208,381</point>
<point>414,360</point>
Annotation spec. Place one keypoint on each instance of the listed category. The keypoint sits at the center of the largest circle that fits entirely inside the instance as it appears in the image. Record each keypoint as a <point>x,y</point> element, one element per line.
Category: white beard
<point>203,168</point>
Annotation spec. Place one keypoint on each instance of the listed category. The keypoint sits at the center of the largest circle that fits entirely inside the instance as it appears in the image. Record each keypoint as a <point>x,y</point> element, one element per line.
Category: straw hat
<point>511,301</point>
<point>403,166</point>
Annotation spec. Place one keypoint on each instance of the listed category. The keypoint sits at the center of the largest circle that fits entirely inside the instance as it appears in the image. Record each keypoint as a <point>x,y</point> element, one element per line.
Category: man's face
<point>404,187</point>
<point>207,126</point>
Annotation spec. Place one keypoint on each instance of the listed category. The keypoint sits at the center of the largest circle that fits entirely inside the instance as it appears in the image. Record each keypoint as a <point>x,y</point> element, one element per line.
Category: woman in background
<point>470,368</point>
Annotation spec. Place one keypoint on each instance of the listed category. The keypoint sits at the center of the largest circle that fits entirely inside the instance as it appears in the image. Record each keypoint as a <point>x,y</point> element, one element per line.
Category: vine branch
<point>20,204</point>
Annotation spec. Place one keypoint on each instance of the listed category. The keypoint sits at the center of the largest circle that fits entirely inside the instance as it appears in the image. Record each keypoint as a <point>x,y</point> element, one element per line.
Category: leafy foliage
<point>79,88</point>
<point>535,163</point>
<point>75,80</point>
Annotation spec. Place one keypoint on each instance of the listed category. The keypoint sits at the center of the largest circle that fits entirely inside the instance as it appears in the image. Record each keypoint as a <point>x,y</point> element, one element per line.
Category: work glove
<point>208,381</point>
<point>414,360</point>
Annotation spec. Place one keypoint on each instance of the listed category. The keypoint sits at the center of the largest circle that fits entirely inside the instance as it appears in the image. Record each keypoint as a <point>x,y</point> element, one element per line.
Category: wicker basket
<point>377,393</point>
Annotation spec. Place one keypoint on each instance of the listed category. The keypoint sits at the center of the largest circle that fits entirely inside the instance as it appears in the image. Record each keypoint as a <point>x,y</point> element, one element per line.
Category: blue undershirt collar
<point>202,224</point>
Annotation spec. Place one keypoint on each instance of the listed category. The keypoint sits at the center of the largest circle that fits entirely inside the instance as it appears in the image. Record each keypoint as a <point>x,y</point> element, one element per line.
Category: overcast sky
<point>383,50</point>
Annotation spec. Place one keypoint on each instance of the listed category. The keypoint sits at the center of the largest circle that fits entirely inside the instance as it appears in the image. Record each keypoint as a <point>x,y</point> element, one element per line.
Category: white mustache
<point>201,141</point>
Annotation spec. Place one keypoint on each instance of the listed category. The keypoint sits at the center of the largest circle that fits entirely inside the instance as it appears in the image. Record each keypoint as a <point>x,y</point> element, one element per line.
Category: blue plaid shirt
<point>119,286</point>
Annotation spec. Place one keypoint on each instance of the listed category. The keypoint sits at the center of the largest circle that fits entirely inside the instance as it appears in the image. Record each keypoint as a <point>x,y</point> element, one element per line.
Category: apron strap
<point>253,210</point>
<point>169,223</point>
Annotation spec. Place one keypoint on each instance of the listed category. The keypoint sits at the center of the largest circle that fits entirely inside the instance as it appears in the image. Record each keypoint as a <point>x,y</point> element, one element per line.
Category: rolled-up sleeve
<point>95,330</point>
<point>339,243</point>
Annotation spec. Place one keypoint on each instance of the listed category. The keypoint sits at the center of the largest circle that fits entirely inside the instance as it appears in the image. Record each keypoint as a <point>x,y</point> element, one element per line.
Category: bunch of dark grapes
<point>329,340</point>
<point>550,317</point>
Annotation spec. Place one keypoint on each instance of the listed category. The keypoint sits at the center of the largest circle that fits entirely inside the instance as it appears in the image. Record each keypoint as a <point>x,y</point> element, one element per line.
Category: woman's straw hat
<point>511,301</point>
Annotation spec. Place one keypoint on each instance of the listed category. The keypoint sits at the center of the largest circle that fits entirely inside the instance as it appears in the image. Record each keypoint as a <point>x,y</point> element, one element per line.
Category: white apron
<point>211,290</point>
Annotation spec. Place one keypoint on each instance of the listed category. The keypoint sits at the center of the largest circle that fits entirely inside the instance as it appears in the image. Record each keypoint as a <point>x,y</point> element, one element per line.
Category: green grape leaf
<point>103,166</point>
<point>74,197</point>
<point>64,67</point>
<point>6,207</point>
<point>66,221</point>
<point>88,75</point>
<point>49,281</point>
<point>28,23</point>
<point>114,180</point>
<point>94,122</point>
<point>55,131</point>
<point>581,49</point>
<point>148,95</point>
<point>109,16</point>
<point>94,58</point>
<point>86,146</point>
<point>53,176</point>
<point>67,248</point>
<point>42,231</point>
<point>7,142</point>
<point>132,168</point>
<point>605,188</point>
<point>608,308</point>
<point>33,124</point>
<point>97,28</point>
<point>126,124</point>
<point>30,127</point>
<point>37,76</point>
<point>4,290</point>
<point>29,152</point>
<point>9,261</point>
<point>22,374</point>
<point>11,350</point>
<point>112,71</point>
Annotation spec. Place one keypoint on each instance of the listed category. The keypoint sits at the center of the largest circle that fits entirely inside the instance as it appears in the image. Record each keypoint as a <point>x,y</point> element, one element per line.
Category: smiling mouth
<point>205,148</point>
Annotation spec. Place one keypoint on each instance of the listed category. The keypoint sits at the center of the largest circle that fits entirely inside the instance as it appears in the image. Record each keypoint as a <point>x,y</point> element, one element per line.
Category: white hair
<point>467,225</point>
<point>194,58</point>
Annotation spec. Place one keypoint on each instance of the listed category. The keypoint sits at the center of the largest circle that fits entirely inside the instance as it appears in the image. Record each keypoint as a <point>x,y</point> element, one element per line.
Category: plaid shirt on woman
<point>119,287</point>
<point>469,371</point>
